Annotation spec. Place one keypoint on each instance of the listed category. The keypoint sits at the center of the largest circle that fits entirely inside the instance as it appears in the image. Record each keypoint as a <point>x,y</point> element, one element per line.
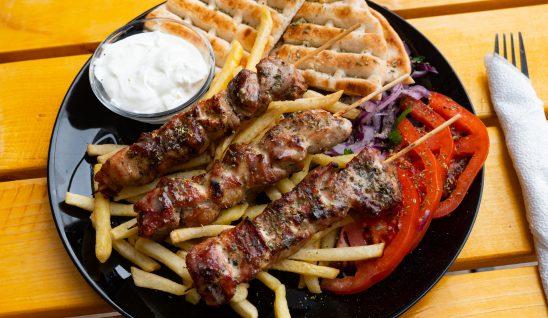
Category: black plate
<point>82,120</point>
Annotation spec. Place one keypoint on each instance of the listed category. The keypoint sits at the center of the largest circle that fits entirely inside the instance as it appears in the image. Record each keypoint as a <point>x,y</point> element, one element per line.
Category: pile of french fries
<point>311,262</point>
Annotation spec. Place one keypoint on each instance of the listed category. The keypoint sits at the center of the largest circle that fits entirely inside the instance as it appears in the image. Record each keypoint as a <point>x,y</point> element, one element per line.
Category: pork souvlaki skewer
<point>245,167</point>
<point>190,133</point>
<point>325,196</point>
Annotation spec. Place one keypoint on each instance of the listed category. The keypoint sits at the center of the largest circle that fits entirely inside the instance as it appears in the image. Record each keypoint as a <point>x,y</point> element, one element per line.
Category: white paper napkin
<point>521,115</point>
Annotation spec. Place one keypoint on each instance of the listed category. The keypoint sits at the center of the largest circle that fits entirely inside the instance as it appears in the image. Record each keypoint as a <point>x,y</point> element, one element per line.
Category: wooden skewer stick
<point>326,45</point>
<point>423,138</point>
<point>373,94</point>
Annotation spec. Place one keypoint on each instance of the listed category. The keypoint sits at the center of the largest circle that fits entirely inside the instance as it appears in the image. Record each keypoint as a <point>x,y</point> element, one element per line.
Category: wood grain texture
<point>30,95</point>
<point>40,29</point>
<point>38,278</point>
<point>500,236</point>
<point>500,293</point>
<point>427,8</point>
<point>464,39</point>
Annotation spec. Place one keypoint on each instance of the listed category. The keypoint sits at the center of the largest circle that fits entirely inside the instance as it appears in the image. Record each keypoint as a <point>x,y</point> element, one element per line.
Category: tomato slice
<point>372,271</point>
<point>441,143</point>
<point>429,176</point>
<point>474,144</point>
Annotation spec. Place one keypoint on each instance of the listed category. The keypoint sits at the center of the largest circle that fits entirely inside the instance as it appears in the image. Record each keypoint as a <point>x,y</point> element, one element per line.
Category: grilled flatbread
<point>360,63</point>
<point>226,20</point>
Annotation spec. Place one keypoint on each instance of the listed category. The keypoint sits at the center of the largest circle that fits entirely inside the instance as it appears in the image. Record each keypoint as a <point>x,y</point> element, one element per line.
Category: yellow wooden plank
<point>38,277</point>
<point>500,293</point>
<point>39,29</point>
<point>34,29</point>
<point>428,8</point>
<point>31,93</point>
<point>464,39</point>
<point>501,234</point>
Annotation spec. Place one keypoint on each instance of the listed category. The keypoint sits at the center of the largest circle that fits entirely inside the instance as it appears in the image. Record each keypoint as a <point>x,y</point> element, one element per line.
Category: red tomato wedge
<point>441,143</point>
<point>429,176</point>
<point>402,241</point>
<point>474,144</point>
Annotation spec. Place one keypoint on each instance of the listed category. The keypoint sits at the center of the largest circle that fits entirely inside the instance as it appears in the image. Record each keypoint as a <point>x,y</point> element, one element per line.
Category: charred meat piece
<point>191,132</point>
<point>324,197</point>
<point>178,202</point>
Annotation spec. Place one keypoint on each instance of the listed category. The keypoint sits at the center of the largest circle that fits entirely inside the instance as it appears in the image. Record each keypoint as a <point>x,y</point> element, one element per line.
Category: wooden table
<point>43,44</point>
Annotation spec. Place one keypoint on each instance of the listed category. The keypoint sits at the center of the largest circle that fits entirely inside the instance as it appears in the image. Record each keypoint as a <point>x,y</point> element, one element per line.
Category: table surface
<point>45,43</point>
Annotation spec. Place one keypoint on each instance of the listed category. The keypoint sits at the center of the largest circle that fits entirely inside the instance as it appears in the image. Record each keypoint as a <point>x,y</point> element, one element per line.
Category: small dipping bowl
<point>169,26</point>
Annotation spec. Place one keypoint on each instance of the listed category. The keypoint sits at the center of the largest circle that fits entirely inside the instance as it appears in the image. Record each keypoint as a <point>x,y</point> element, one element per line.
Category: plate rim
<point>103,294</point>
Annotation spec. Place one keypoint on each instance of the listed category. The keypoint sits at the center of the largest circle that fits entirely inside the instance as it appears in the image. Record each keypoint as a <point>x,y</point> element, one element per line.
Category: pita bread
<point>226,20</point>
<point>360,63</point>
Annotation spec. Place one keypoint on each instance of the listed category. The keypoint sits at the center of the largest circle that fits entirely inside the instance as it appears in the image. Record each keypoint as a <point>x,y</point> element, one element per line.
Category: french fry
<point>240,294</point>
<point>131,254</point>
<point>301,284</point>
<point>353,253</point>
<point>304,268</point>
<point>195,162</point>
<point>273,193</point>
<point>324,160</point>
<point>87,203</point>
<point>302,104</point>
<point>99,150</point>
<point>101,220</point>
<point>245,309</point>
<point>105,157</point>
<point>132,191</point>
<point>299,176</point>
<point>222,78</point>
<point>192,296</point>
<point>270,281</point>
<point>124,230</point>
<point>182,253</point>
<point>256,127</point>
<point>318,235</point>
<point>190,233</point>
<point>96,169</point>
<point>312,282</point>
<point>334,108</point>
<point>253,211</point>
<point>223,146</point>
<point>232,214</point>
<point>328,241</point>
<point>153,281</point>
<point>136,198</point>
<point>281,310</point>
<point>164,256</point>
<point>285,185</point>
<point>261,40</point>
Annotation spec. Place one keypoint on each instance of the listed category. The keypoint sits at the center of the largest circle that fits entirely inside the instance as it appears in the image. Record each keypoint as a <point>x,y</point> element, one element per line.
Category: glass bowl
<point>168,26</point>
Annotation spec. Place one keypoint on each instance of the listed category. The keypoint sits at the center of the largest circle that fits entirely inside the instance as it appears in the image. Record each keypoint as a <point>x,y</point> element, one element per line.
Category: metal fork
<point>522,56</point>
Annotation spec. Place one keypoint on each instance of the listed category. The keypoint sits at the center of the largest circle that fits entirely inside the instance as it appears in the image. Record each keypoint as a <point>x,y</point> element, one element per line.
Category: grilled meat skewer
<point>178,202</point>
<point>189,133</point>
<point>324,197</point>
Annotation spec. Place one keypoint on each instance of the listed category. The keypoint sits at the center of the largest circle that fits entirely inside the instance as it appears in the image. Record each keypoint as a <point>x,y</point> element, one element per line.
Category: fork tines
<point>522,56</point>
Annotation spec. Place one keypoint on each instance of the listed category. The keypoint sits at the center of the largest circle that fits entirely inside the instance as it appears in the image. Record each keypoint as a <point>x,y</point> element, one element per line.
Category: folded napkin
<point>521,115</point>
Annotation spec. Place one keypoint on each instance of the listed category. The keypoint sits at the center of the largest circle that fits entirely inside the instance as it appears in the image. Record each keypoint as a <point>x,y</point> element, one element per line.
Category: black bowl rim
<point>384,11</point>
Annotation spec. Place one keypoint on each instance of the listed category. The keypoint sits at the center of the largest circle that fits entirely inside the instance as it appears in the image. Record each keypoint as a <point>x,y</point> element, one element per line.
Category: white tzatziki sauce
<point>151,72</point>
